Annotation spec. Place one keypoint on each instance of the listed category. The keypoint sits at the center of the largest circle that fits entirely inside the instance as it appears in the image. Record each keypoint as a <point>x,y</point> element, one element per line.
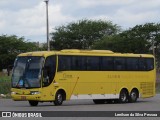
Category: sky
<point>27,18</point>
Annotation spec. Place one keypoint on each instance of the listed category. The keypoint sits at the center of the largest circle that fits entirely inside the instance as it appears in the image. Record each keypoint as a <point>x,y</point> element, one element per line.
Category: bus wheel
<point>33,103</point>
<point>123,97</point>
<point>133,96</point>
<point>99,101</point>
<point>58,98</point>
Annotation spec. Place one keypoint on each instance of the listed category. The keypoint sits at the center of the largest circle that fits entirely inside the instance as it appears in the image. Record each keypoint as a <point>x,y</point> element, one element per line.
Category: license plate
<point>23,97</point>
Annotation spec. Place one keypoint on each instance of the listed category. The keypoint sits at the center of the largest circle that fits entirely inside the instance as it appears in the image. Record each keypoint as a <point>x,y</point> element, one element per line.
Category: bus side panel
<point>105,84</point>
<point>143,81</point>
<point>93,85</point>
<point>62,81</point>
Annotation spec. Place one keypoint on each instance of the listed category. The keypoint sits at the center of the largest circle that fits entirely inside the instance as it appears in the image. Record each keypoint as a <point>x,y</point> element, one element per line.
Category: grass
<point>5,79</point>
<point>5,84</point>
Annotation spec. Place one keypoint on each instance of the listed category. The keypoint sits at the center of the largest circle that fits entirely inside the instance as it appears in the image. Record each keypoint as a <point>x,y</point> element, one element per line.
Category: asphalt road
<point>148,104</point>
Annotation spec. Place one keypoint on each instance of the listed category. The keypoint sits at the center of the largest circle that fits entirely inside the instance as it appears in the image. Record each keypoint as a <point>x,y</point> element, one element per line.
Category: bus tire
<point>58,99</point>
<point>133,96</point>
<point>123,96</point>
<point>96,101</point>
<point>33,103</point>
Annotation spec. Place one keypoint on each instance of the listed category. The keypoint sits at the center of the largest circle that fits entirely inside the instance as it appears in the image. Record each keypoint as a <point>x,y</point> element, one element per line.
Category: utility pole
<point>47,25</point>
<point>154,34</point>
<point>153,47</point>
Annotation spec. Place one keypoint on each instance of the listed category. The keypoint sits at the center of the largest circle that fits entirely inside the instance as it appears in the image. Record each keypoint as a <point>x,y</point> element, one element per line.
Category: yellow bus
<point>100,75</point>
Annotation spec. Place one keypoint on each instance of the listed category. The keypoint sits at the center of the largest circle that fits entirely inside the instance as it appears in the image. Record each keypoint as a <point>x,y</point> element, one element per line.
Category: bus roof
<point>38,53</point>
<point>83,52</point>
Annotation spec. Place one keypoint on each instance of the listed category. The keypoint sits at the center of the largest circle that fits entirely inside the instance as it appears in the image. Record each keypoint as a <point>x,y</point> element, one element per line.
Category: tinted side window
<point>83,63</point>
<point>150,63</point>
<point>142,64</point>
<point>132,64</point>
<point>77,63</point>
<point>119,63</point>
<point>92,63</point>
<point>107,63</point>
<point>64,63</point>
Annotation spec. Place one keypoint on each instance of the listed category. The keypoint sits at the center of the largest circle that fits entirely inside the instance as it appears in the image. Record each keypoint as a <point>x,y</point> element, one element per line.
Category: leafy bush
<point>5,84</point>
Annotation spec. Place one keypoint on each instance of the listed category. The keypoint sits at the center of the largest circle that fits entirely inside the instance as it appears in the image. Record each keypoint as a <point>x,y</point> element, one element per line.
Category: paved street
<point>149,104</point>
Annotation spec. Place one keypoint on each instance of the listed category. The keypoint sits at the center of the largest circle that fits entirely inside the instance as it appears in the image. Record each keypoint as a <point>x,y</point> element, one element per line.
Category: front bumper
<point>18,97</point>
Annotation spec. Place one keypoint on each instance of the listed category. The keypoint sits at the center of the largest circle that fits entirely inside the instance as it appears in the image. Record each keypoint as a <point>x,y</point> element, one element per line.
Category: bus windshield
<point>27,72</point>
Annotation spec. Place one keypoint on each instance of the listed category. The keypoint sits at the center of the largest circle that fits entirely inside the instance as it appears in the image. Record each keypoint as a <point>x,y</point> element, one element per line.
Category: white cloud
<point>131,15</point>
<point>145,4</point>
<point>28,18</point>
<point>93,3</point>
<point>127,19</point>
<point>2,22</point>
<point>127,13</point>
<point>32,21</point>
<point>57,17</point>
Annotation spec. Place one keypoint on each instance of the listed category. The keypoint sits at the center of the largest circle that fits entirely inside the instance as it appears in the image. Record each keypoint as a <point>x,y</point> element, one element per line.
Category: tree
<point>148,34</point>
<point>139,39</point>
<point>10,47</point>
<point>81,34</point>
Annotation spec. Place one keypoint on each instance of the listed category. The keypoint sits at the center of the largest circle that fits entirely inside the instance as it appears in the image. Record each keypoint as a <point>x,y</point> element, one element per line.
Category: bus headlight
<point>34,92</point>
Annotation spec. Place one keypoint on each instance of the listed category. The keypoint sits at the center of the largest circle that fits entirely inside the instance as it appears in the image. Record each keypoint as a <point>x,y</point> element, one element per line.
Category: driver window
<point>49,70</point>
